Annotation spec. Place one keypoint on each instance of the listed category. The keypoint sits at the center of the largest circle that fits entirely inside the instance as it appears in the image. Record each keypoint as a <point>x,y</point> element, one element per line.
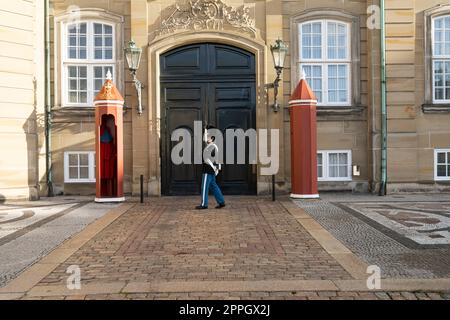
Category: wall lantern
<point>279,52</point>
<point>133,55</point>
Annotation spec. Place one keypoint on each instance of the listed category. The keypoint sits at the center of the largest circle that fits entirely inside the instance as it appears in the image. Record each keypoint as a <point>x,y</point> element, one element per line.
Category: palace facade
<point>210,60</point>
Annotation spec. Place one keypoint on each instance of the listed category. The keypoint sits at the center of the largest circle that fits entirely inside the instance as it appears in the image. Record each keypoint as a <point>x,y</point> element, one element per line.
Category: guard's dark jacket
<point>206,168</point>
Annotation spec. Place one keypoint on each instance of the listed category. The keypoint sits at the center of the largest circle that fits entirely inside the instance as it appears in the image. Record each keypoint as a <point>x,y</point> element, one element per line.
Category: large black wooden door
<point>215,84</point>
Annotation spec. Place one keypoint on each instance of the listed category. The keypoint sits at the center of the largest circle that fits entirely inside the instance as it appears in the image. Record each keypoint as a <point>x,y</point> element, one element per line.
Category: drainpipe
<point>383,102</point>
<point>48,107</point>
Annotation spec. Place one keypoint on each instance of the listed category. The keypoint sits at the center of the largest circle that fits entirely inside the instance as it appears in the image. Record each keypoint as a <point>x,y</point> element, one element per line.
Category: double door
<point>215,84</point>
<point>225,105</point>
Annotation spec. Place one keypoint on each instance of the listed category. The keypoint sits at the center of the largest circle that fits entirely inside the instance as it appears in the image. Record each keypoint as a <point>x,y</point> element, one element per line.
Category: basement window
<point>79,167</point>
<point>442,164</point>
<point>334,165</point>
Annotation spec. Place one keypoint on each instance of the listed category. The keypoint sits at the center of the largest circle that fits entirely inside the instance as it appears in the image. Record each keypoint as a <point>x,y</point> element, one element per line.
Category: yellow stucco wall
<point>413,135</point>
<point>22,150</point>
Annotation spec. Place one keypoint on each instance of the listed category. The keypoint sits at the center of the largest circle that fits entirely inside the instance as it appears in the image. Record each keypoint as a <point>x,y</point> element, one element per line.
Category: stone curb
<point>407,285</point>
<point>93,288</point>
<point>391,285</point>
<point>231,286</point>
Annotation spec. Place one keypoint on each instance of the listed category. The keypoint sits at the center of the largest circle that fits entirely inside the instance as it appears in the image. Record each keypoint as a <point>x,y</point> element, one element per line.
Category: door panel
<point>227,60</point>
<point>188,60</point>
<point>215,84</point>
<point>232,106</point>
<point>183,105</point>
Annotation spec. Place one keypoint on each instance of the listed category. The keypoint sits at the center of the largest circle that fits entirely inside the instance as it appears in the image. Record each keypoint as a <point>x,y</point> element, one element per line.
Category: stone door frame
<point>166,43</point>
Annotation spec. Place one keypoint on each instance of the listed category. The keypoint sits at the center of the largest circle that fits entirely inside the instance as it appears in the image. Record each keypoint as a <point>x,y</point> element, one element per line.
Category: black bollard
<point>142,188</point>
<point>273,187</point>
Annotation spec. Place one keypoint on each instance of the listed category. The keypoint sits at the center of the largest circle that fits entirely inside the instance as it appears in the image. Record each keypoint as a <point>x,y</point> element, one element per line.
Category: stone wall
<point>414,132</point>
<point>22,155</point>
<point>346,130</point>
<point>73,129</point>
<point>413,135</point>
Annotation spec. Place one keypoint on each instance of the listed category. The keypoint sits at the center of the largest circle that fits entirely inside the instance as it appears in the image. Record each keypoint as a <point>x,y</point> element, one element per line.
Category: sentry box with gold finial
<point>109,143</point>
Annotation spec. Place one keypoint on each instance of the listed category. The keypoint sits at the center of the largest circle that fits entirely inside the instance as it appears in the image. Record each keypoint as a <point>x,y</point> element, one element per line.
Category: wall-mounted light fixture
<point>133,55</point>
<point>279,52</point>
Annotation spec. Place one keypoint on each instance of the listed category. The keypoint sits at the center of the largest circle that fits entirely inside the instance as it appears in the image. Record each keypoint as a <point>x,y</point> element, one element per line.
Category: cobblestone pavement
<point>15,218</point>
<point>305,295</point>
<point>406,235</point>
<point>165,239</point>
<point>253,249</point>
<point>30,230</point>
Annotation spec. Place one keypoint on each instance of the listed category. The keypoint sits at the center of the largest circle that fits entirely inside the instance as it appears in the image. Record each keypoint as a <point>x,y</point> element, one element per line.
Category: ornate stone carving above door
<point>207,15</point>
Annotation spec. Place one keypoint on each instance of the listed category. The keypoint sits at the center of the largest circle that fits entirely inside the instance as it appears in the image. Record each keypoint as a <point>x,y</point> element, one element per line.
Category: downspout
<point>373,132</point>
<point>383,101</point>
<point>48,107</point>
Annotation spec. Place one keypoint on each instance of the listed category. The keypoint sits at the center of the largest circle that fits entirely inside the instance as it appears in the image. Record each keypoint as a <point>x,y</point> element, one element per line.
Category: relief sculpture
<point>207,15</point>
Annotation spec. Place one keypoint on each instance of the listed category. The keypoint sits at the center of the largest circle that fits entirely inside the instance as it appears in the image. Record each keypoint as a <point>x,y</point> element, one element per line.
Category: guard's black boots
<point>220,206</point>
<point>201,208</point>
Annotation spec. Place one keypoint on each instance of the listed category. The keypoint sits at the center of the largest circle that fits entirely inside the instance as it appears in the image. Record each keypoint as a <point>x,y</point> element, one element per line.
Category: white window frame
<point>325,165</point>
<point>90,62</point>
<point>434,58</point>
<point>322,165</point>
<point>91,169</point>
<point>436,177</point>
<point>325,61</point>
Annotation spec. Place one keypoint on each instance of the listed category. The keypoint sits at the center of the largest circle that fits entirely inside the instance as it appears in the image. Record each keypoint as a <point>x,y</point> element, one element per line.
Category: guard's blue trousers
<point>209,181</point>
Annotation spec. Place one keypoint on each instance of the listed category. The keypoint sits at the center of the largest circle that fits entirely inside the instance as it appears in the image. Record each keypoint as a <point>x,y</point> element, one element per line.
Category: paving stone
<point>380,247</point>
<point>382,295</point>
<point>160,241</point>
<point>59,222</point>
<point>445,296</point>
<point>409,296</point>
<point>252,239</point>
<point>435,296</point>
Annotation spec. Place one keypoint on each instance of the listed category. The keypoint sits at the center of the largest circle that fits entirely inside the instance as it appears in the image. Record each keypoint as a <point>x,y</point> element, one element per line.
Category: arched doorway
<point>213,83</point>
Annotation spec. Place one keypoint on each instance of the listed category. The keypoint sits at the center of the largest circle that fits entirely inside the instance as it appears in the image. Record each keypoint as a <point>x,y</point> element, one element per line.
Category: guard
<point>210,170</point>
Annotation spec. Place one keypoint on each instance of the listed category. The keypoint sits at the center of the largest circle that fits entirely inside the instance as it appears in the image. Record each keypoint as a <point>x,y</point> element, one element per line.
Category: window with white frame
<point>79,167</point>
<point>88,54</point>
<point>442,164</point>
<point>334,165</point>
<point>325,56</point>
<point>441,59</point>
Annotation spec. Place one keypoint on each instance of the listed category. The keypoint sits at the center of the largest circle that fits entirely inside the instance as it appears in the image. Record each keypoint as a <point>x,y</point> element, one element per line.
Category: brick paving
<point>164,249</point>
<point>166,240</point>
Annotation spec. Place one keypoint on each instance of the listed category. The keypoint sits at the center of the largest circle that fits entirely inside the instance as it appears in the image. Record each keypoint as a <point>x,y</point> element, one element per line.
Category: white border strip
<point>105,200</point>
<point>305,196</point>
<point>302,101</point>
<point>109,101</point>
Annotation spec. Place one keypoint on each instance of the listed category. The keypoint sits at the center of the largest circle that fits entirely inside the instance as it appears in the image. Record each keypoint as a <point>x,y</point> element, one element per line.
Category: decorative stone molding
<point>207,15</point>
<point>339,111</point>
